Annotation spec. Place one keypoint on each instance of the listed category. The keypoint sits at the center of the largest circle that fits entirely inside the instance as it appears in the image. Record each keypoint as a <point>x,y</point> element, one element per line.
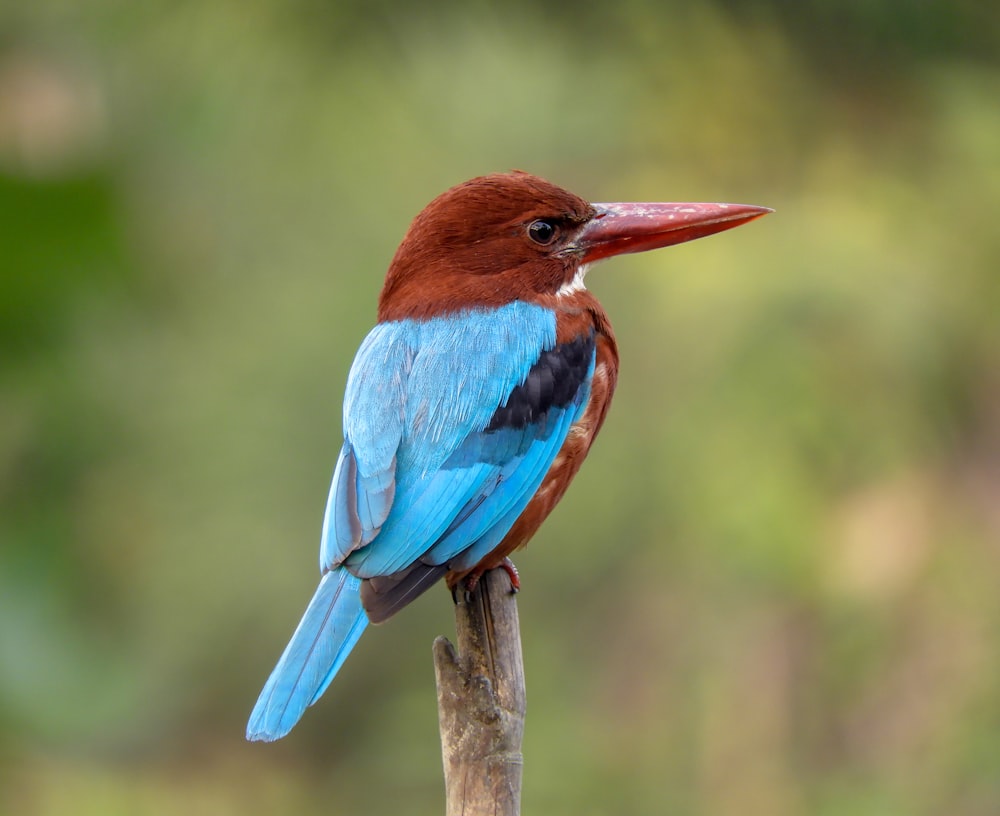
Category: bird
<point>469,407</point>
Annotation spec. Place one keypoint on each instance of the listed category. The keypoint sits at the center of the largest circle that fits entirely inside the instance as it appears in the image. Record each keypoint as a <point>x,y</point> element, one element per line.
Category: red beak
<point>621,228</point>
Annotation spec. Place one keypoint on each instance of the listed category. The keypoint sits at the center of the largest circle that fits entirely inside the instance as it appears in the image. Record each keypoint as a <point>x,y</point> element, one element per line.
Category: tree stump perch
<point>481,702</point>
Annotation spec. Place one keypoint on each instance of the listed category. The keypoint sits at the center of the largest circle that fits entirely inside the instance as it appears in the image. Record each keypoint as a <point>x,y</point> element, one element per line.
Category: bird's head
<point>514,236</point>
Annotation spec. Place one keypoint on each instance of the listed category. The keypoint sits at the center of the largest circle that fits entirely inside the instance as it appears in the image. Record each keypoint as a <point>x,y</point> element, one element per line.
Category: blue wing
<point>450,426</point>
<point>419,399</point>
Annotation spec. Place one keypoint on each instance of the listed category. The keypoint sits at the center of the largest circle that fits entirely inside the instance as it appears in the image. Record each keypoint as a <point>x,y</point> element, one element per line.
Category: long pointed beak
<point>620,228</point>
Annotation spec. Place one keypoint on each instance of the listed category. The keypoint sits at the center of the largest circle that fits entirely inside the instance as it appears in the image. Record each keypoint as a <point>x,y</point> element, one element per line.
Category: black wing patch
<point>552,382</point>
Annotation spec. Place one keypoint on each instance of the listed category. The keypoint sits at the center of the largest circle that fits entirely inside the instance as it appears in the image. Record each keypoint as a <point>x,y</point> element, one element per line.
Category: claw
<point>471,582</point>
<point>468,584</point>
<point>515,579</point>
<point>473,578</point>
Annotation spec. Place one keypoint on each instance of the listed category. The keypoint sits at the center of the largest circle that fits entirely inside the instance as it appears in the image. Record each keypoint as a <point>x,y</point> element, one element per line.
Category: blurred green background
<point>774,587</point>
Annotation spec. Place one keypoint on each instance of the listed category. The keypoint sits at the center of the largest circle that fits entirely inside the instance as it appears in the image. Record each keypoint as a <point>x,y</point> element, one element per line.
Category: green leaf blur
<point>774,587</point>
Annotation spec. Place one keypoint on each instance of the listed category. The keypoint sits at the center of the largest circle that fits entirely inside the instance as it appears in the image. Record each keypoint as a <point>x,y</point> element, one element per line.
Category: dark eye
<point>542,232</point>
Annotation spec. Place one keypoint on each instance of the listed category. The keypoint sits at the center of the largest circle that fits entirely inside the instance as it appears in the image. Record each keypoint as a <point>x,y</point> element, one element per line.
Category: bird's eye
<point>542,232</point>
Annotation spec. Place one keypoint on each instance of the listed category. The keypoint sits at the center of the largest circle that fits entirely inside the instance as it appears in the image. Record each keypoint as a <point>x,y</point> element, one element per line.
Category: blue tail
<point>329,629</point>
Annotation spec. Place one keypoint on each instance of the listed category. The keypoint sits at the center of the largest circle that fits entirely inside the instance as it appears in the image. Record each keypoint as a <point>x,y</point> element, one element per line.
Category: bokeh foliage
<point>774,588</point>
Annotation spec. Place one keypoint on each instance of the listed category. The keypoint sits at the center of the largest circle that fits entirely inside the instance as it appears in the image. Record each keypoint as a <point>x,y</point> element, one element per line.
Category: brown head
<point>514,236</point>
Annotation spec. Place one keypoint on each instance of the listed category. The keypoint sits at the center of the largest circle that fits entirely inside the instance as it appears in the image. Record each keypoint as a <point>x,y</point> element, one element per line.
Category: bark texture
<point>481,702</point>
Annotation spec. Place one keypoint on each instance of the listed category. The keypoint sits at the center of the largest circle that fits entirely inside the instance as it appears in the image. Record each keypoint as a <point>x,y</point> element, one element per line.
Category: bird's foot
<point>515,579</point>
<point>468,584</point>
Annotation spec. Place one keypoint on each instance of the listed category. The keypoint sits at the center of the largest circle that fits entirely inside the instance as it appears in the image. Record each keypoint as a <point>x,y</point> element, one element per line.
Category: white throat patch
<point>575,285</point>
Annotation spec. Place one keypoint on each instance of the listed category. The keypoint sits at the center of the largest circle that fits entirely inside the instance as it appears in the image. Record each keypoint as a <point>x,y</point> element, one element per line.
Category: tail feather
<point>331,626</point>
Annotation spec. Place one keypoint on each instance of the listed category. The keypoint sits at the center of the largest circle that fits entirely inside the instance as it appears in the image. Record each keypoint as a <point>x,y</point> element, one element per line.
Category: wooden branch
<point>481,702</point>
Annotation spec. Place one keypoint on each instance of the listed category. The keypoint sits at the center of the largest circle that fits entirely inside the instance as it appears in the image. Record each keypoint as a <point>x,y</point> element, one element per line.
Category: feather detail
<point>411,403</point>
<point>329,629</point>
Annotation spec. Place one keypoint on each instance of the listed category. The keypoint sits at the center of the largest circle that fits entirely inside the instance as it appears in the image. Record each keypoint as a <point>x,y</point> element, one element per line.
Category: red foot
<point>515,580</point>
<point>472,579</point>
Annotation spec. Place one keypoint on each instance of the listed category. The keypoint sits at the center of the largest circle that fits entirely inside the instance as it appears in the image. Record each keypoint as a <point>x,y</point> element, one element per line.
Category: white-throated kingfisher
<point>469,407</point>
